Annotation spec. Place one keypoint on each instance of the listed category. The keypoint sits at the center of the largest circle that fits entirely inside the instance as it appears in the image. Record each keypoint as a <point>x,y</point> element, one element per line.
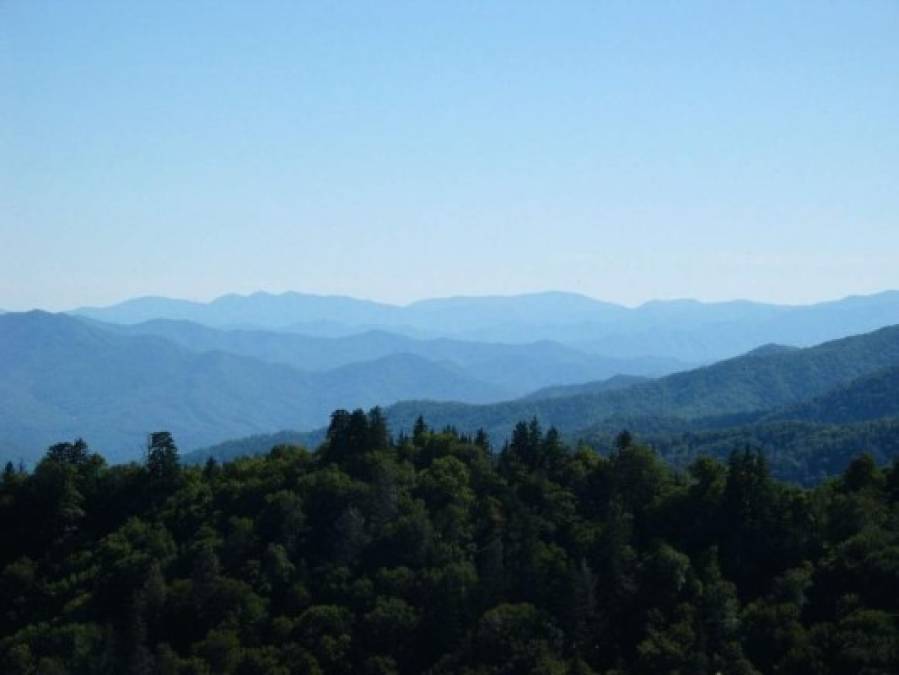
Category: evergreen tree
<point>438,557</point>
<point>419,430</point>
<point>163,463</point>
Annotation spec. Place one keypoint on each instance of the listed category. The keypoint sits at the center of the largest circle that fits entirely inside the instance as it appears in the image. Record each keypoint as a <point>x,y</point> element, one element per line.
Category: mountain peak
<point>771,348</point>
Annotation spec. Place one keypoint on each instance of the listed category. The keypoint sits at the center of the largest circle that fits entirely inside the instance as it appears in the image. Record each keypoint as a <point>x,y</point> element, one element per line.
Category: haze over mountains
<point>513,369</point>
<point>61,378</point>
<point>839,397</point>
<point>686,330</point>
<point>745,384</point>
<point>258,364</point>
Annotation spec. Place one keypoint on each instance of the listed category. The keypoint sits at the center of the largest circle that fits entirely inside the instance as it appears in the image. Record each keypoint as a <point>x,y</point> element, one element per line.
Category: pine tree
<point>163,463</point>
<point>378,433</point>
<point>419,430</point>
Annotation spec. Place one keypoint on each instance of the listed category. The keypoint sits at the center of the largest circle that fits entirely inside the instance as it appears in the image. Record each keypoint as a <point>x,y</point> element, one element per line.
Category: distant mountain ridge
<point>61,378</point>
<point>800,396</point>
<point>753,382</point>
<point>516,369</point>
<point>285,309</point>
<point>686,330</point>
<point>610,384</point>
<point>771,348</point>
<point>63,375</point>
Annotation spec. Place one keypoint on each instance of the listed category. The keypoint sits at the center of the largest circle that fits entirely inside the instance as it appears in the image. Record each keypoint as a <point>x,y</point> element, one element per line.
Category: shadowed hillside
<point>60,377</point>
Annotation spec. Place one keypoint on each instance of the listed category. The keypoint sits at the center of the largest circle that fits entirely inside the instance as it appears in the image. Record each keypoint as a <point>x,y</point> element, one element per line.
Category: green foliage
<point>806,453</point>
<point>429,554</point>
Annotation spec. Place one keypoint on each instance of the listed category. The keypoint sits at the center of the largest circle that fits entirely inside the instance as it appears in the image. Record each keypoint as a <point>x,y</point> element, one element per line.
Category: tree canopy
<point>432,554</point>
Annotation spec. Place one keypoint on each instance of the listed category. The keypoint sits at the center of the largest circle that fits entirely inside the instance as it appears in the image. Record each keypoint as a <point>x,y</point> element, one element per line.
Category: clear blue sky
<point>397,150</point>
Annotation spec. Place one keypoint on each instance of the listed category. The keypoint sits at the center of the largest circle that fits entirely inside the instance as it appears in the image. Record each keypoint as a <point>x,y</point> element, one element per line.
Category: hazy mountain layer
<point>754,382</point>
<point>516,369</point>
<point>563,391</point>
<point>682,329</point>
<point>751,399</point>
<point>61,378</point>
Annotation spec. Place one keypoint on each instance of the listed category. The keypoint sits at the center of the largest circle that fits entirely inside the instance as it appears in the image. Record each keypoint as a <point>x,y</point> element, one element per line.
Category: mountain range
<point>242,366</point>
<point>757,381</point>
<point>61,377</point>
<point>812,409</point>
<point>512,369</point>
<point>686,330</point>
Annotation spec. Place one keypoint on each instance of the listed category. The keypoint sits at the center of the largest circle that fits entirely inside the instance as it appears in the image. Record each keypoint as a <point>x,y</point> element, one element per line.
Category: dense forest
<point>434,553</point>
<point>805,453</point>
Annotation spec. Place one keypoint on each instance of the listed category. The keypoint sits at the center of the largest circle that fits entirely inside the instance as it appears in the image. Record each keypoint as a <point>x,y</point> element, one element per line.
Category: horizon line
<point>460,297</point>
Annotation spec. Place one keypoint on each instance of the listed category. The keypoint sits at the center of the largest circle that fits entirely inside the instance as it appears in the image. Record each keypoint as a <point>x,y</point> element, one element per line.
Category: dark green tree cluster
<point>806,453</point>
<point>431,553</point>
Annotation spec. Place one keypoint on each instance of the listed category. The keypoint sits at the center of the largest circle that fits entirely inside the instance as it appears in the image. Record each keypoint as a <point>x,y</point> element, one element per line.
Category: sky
<point>402,150</point>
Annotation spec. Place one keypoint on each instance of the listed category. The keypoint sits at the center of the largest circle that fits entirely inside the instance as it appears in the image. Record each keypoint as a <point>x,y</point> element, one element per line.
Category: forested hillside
<point>755,382</point>
<point>62,377</point>
<point>805,453</point>
<point>254,445</point>
<point>867,398</point>
<point>432,554</point>
<point>562,391</point>
<point>804,442</point>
